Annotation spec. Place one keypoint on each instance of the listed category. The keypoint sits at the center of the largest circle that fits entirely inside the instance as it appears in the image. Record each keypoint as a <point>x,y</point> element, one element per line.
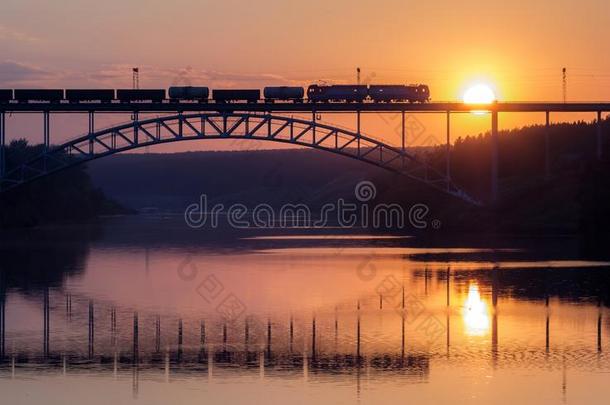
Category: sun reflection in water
<point>474,312</point>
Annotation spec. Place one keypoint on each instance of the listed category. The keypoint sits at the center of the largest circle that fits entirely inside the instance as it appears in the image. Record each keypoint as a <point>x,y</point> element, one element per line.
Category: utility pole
<point>136,78</point>
<point>565,84</point>
<point>136,86</point>
<point>358,75</point>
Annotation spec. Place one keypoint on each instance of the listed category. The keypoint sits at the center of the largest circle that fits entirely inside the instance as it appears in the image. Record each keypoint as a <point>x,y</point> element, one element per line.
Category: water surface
<point>148,311</point>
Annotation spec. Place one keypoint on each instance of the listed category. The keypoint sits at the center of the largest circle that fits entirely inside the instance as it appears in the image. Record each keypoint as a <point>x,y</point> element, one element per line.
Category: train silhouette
<point>394,93</point>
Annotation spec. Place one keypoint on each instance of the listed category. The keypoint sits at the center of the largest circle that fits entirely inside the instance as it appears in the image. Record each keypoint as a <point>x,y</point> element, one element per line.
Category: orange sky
<point>519,48</point>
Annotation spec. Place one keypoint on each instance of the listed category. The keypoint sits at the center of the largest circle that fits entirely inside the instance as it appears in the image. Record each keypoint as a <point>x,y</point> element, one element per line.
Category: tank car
<point>177,93</point>
<point>129,95</point>
<point>81,95</point>
<point>228,96</point>
<point>283,93</point>
<point>48,95</point>
<point>338,93</point>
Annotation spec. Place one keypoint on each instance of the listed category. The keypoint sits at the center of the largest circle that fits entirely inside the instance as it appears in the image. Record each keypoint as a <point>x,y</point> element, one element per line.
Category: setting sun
<point>479,94</point>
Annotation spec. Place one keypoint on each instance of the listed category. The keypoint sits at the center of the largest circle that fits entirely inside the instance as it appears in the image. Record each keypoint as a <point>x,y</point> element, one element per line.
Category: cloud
<point>9,34</point>
<point>16,72</point>
<point>120,74</point>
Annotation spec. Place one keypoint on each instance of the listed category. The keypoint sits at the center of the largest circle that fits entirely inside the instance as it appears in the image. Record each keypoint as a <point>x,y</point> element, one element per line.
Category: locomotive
<point>399,93</point>
<point>391,93</point>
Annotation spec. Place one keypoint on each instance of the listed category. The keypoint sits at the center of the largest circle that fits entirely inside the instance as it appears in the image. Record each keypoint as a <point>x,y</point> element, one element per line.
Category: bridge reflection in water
<point>123,342</point>
<point>120,341</point>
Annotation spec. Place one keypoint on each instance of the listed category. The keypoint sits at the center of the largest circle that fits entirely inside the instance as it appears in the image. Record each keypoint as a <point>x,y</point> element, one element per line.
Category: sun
<point>479,93</point>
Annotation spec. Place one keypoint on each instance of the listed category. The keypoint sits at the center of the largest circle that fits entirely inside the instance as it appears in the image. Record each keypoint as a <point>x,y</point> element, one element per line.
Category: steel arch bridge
<point>236,126</point>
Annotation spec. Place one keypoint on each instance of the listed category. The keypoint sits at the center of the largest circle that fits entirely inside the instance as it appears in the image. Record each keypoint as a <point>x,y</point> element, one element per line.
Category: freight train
<point>315,94</point>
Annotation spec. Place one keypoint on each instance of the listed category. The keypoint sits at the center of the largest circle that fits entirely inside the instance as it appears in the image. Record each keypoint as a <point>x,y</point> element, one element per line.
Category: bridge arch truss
<point>233,126</point>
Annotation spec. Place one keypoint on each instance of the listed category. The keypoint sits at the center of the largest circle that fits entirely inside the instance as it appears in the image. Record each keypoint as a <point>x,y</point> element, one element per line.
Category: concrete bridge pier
<point>448,150</point>
<point>91,131</point>
<point>494,156</point>
<point>547,147</point>
<point>599,136</point>
<point>2,142</point>
<point>46,120</point>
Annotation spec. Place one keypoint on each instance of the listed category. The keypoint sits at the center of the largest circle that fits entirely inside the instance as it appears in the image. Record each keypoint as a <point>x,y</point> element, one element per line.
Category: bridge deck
<point>167,107</point>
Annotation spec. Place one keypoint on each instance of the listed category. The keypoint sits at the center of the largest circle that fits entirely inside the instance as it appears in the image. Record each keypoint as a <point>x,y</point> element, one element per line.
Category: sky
<point>518,48</point>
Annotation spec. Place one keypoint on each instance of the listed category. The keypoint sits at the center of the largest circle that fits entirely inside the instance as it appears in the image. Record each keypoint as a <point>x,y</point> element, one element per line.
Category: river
<point>146,310</point>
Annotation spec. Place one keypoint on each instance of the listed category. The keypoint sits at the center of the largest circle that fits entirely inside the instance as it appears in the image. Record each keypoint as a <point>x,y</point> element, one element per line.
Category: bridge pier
<point>181,124</point>
<point>358,129</point>
<point>494,156</point>
<point>91,130</point>
<point>134,118</point>
<point>448,149</point>
<point>599,136</point>
<point>547,147</point>
<point>2,143</point>
<point>46,120</point>
<point>314,119</point>
<point>403,133</point>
